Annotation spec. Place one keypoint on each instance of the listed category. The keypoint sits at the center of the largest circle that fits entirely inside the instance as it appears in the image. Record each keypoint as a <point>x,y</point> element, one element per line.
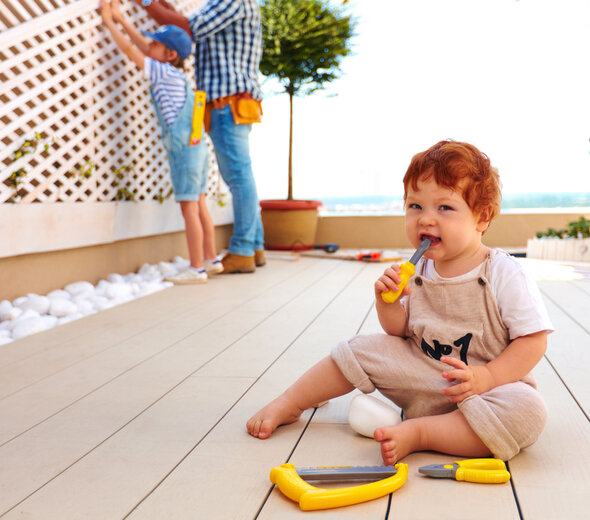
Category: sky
<point>511,77</point>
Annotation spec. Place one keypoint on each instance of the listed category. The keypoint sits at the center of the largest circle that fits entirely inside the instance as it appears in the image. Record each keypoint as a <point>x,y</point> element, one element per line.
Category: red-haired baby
<point>460,344</point>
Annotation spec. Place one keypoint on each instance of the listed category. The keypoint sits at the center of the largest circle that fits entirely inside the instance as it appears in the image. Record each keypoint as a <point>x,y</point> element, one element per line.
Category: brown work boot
<point>237,264</point>
<point>259,259</point>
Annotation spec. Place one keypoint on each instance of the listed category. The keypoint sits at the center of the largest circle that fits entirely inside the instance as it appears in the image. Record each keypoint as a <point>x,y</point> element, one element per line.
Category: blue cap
<point>174,38</point>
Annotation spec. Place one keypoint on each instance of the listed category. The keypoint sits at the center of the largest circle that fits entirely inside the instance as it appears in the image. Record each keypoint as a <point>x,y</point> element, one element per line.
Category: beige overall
<point>455,318</point>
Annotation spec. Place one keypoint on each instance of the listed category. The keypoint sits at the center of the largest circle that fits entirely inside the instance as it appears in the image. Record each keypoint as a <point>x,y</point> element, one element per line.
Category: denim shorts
<point>189,171</point>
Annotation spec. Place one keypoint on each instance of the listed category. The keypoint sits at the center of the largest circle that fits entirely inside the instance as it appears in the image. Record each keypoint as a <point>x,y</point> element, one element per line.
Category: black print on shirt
<point>440,349</point>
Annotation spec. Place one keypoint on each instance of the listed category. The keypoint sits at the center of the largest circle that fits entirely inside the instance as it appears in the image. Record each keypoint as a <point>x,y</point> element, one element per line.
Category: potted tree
<point>304,42</point>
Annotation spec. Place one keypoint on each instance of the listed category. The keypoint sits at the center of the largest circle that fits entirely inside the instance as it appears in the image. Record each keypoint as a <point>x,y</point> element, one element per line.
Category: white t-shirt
<point>169,86</point>
<point>517,295</point>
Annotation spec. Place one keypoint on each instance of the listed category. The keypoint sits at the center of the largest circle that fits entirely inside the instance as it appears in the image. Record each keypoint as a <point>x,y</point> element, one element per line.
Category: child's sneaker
<point>188,276</point>
<point>213,266</point>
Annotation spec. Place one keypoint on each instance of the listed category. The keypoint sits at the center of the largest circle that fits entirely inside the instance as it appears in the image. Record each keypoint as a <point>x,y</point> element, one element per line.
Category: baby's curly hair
<point>460,167</point>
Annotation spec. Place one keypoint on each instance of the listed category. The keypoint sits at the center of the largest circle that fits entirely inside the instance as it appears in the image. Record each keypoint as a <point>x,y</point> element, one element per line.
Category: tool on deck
<point>407,271</point>
<point>485,471</point>
<point>293,483</point>
<point>328,248</point>
<point>370,256</point>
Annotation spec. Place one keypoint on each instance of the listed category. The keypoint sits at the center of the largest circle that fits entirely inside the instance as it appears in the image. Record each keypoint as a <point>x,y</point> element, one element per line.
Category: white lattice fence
<point>76,109</point>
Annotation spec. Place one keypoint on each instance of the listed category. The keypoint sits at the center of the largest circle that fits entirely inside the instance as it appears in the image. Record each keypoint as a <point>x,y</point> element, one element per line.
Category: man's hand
<point>473,379</point>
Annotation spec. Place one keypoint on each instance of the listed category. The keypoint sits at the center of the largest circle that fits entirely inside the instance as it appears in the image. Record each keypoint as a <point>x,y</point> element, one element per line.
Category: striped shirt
<point>228,38</point>
<point>169,87</point>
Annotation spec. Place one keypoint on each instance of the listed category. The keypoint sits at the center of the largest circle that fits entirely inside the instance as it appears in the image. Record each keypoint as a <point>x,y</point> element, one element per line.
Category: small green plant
<point>123,193</point>
<point>577,229</point>
<point>221,202</point>
<point>28,147</point>
<point>161,197</point>
<point>84,170</point>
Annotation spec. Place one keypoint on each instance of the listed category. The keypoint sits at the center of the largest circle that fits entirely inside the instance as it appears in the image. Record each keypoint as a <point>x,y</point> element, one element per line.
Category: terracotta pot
<point>289,224</point>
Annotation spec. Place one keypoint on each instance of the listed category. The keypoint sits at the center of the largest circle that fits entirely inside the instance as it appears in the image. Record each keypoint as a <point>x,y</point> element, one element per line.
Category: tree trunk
<point>290,189</point>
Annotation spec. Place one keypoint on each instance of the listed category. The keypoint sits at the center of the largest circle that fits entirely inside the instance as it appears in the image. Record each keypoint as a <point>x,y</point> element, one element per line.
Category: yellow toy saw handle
<point>407,270</point>
<point>311,498</point>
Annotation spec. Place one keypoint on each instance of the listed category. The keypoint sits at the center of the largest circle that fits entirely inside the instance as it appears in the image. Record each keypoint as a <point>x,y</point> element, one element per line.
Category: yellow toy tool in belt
<point>198,117</point>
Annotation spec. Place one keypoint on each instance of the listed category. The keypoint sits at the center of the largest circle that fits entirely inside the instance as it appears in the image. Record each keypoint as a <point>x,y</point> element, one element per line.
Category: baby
<point>460,344</point>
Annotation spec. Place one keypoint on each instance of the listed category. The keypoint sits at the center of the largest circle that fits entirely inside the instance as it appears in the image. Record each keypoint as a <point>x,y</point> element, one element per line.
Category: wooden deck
<point>139,411</point>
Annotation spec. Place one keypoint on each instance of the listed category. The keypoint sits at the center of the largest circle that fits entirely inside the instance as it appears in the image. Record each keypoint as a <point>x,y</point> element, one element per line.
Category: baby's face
<point>441,214</point>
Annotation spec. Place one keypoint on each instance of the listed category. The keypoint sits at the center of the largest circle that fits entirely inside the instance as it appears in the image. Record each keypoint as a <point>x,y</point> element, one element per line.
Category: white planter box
<point>570,249</point>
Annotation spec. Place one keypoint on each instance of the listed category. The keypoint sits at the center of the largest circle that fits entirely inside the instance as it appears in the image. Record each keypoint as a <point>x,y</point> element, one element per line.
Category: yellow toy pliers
<point>486,471</point>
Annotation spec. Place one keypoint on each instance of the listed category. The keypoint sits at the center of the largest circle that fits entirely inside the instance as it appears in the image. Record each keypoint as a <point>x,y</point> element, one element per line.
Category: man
<point>228,39</point>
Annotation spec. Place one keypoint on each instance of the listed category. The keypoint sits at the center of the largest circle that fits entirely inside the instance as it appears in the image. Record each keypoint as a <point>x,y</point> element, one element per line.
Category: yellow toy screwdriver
<point>407,270</point>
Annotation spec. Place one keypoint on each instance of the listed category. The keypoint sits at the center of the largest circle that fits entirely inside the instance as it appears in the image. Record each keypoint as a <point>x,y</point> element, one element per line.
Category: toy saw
<point>293,483</point>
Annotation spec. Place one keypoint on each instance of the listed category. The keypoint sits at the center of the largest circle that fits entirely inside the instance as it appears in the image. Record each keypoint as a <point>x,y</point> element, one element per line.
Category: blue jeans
<point>233,156</point>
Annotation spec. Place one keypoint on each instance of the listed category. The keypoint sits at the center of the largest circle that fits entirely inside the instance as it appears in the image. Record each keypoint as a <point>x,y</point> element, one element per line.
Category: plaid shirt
<point>228,38</point>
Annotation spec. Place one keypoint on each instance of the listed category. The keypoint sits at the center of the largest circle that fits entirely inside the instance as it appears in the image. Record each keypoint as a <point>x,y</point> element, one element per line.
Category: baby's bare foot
<point>277,412</point>
<point>398,441</point>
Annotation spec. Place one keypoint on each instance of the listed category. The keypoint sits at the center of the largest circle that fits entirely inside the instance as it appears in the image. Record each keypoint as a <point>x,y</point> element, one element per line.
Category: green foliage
<point>28,147</point>
<point>123,193</point>
<point>577,229</point>
<point>84,170</point>
<point>304,42</point>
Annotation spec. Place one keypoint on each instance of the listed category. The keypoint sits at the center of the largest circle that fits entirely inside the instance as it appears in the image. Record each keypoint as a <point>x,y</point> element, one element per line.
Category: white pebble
<point>20,301</point>
<point>62,307</point>
<point>50,321</point>
<point>29,326</point>
<point>79,287</point>
<point>106,305</point>
<point>37,303</point>
<point>115,278</point>
<point>29,313</point>
<point>6,325</point>
<point>67,319</point>
<point>118,291</point>
<point>85,307</point>
<point>59,293</point>
<point>167,269</point>
<point>5,341</point>
<point>183,263</point>
<point>8,311</point>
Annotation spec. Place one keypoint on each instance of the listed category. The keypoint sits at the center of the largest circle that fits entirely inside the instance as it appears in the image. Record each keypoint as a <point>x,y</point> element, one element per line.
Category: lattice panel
<point>76,109</point>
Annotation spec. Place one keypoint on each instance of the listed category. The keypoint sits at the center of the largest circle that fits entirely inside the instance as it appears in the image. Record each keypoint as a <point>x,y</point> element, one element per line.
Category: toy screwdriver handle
<point>407,270</point>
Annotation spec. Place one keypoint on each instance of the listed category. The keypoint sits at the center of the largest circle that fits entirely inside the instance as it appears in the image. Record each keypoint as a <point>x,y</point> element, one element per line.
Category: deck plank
<point>139,411</point>
<point>44,398</point>
<point>229,455</point>
<point>95,419</point>
<point>40,355</point>
<point>552,477</point>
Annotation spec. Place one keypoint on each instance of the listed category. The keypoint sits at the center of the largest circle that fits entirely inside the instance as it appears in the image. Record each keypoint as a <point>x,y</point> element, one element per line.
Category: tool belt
<point>244,108</point>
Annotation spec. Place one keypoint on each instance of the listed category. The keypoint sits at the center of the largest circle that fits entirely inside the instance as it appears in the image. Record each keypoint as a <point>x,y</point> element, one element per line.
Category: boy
<point>460,345</point>
<point>173,102</point>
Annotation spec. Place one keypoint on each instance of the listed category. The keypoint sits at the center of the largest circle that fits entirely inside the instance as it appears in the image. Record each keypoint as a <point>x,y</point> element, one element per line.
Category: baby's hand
<point>388,282</point>
<point>474,379</point>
